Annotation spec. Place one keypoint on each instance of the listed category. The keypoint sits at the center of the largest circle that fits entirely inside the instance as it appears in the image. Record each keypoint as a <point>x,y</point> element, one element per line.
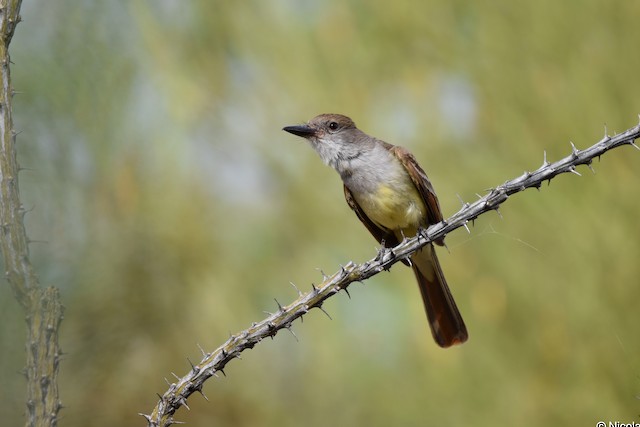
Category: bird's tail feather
<point>445,320</point>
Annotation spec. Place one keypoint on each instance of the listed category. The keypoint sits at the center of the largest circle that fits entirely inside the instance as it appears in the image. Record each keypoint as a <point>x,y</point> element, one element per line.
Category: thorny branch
<point>42,306</point>
<point>214,362</point>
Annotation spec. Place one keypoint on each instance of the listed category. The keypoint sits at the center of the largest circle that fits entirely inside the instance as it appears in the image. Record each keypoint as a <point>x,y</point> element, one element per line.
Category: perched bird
<point>392,196</point>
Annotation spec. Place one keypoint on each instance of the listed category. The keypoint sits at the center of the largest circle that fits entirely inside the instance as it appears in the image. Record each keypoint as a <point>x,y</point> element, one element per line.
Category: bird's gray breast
<point>366,172</point>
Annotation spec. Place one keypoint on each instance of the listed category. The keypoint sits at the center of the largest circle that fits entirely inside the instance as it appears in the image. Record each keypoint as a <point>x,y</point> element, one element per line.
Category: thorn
<point>193,367</point>
<point>545,163</point>
<point>324,276</point>
<point>203,395</point>
<point>315,289</point>
<point>574,150</point>
<point>280,309</point>
<point>381,254</point>
<point>479,196</point>
<point>606,133</point>
<point>175,376</point>
<point>146,417</point>
<point>466,227</point>
<point>347,291</point>
<point>214,373</point>
<point>296,288</point>
<point>167,381</point>
<point>29,241</point>
<point>377,251</point>
<point>183,402</point>
<point>272,329</point>
<point>462,202</point>
<point>204,353</point>
<point>292,333</point>
<point>222,371</point>
<point>572,169</point>
<point>498,212</point>
<point>323,310</point>
<point>633,144</point>
<point>392,254</point>
<point>445,245</point>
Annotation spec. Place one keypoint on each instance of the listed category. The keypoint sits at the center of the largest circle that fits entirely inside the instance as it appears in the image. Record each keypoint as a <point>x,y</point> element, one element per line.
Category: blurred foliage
<point>171,209</point>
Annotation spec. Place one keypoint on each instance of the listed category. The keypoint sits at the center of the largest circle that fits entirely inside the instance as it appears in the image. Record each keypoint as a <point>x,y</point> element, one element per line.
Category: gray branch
<point>42,306</point>
<point>214,362</point>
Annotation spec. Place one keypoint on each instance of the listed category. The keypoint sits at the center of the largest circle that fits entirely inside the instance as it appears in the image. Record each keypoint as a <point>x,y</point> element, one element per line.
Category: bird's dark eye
<point>333,125</point>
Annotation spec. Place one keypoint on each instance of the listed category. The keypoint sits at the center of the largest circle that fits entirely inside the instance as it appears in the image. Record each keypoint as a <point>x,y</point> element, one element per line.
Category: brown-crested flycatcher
<point>392,196</point>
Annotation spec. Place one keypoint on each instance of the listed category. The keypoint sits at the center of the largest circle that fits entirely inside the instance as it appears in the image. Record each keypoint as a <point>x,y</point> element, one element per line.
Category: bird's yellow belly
<point>394,209</point>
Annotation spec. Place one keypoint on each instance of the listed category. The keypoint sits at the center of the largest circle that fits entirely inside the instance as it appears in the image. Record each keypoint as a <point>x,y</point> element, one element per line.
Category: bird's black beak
<point>304,131</point>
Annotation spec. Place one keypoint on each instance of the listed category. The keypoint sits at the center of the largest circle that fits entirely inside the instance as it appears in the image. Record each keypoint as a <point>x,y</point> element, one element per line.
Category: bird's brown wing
<point>422,183</point>
<point>447,326</point>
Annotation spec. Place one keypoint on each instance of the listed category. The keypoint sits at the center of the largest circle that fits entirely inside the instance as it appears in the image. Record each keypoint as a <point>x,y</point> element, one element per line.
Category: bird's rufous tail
<point>445,320</point>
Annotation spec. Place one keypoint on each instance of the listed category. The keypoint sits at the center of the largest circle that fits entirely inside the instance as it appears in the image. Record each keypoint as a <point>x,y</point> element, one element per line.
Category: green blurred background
<point>170,208</point>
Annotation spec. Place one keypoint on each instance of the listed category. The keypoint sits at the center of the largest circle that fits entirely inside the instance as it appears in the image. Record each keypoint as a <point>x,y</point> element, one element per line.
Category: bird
<point>392,196</point>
